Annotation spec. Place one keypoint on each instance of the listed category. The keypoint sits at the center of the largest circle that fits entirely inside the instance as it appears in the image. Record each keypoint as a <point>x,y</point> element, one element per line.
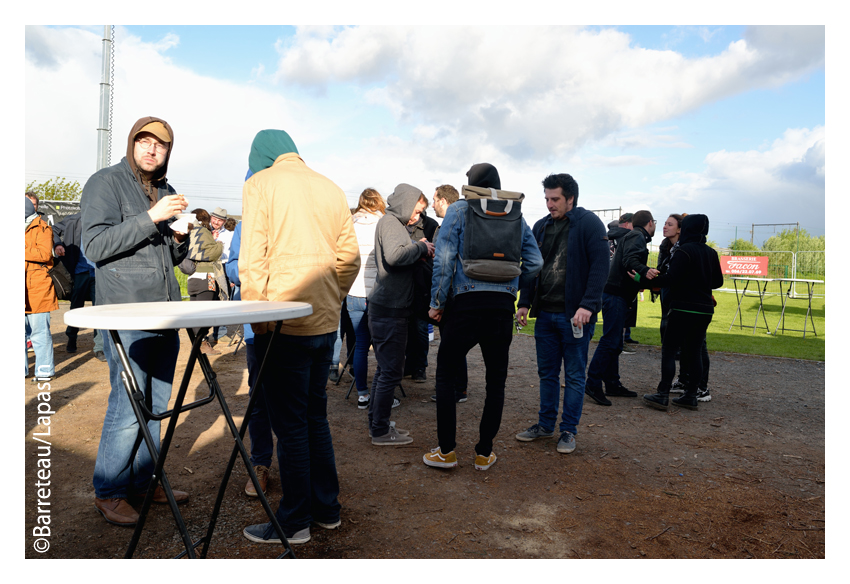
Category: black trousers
<point>685,330</point>
<point>84,288</point>
<point>461,331</point>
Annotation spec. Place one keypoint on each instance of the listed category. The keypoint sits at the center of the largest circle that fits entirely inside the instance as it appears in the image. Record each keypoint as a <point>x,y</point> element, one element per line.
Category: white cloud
<point>536,92</point>
<point>782,183</point>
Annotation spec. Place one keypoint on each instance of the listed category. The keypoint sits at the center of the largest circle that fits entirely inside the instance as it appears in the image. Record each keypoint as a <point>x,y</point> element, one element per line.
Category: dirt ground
<point>743,477</point>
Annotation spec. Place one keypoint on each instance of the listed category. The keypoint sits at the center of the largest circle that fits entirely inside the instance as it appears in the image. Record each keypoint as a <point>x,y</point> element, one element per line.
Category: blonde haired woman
<point>370,207</point>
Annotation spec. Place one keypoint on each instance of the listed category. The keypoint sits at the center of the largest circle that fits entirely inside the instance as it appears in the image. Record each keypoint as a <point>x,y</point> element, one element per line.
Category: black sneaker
<point>627,350</point>
<point>419,376</point>
<point>71,347</point>
<point>703,394</point>
<point>597,395</point>
<point>678,387</point>
<point>620,391</point>
<point>658,401</point>
<point>334,375</point>
<point>631,341</point>
<point>690,403</point>
<point>362,402</point>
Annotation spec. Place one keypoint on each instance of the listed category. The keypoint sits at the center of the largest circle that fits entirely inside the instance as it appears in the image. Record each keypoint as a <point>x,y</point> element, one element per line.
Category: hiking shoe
<point>262,473</point>
<point>391,438</point>
<point>627,350</point>
<point>534,433</point>
<point>597,395</point>
<point>117,512</point>
<point>362,402</point>
<point>71,347</point>
<point>484,462</point>
<point>459,397</point>
<point>567,443</point>
<point>659,401</point>
<point>208,349</point>
<point>440,460</point>
<point>678,387</point>
<point>703,395</point>
<point>396,403</point>
<point>331,525</point>
<point>419,376</point>
<point>685,401</point>
<point>265,533</point>
<point>100,356</point>
<point>620,391</point>
<point>392,425</point>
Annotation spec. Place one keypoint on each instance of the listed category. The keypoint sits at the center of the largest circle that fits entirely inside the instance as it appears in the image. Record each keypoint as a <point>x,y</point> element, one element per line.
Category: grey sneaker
<point>534,433</point>
<point>265,533</point>
<point>678,387</point>
<point>703,395</point>
<point>567,443</point>
<point>627,350</point>
<point>391,438</point>
<point>392,425</point>
<point>334,525</point>
<point>396,403</point>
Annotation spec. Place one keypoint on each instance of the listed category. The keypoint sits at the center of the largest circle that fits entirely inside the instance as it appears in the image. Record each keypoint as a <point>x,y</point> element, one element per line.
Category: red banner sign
<point>744,265</point>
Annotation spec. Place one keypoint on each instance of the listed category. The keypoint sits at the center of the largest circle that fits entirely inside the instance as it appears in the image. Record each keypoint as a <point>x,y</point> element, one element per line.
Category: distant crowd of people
<point>377,275</point>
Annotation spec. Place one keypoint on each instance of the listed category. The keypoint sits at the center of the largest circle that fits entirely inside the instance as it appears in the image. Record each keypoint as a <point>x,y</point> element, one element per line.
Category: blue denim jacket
<point>448,270</point>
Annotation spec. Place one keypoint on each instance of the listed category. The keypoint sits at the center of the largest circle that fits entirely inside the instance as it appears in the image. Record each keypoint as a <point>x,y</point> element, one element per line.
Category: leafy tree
<point>56,189</point>
<point>808,264</point>
<point>742,245</point>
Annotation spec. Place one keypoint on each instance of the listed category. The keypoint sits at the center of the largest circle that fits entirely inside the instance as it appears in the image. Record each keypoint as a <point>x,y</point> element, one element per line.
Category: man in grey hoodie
<point>390,305</point>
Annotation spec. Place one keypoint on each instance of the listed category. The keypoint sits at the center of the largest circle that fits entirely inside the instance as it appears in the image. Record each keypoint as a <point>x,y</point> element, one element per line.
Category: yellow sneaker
<point>484,462</point>
<point>438,459</point>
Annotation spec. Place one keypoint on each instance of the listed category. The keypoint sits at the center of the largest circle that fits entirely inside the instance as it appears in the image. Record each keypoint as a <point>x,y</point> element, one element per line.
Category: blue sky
<point>723,120</point>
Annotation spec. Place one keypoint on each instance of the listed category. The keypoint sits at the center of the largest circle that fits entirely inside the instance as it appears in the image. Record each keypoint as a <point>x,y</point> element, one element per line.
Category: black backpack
<point>492,238</point>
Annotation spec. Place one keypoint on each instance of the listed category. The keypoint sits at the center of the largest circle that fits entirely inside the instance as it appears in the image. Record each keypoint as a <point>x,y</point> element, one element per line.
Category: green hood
<point>267,146</point>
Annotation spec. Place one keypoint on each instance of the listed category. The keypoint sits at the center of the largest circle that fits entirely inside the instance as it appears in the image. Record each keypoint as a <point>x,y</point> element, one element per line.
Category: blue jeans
<point>553,338</point>
<point>259,426</point>
<point>37,326</point>
<point>357,312</point>
<point>389,338</point>
<point>294,389</point>
<point>153,356</point>
<point>605,365</point>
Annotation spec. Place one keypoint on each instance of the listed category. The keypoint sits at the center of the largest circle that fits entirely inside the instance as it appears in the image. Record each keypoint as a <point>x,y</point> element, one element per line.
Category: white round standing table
<point>187,315</point>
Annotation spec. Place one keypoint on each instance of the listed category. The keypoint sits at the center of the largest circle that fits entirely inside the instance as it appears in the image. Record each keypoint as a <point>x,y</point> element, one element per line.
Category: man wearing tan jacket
<point>298,244</point>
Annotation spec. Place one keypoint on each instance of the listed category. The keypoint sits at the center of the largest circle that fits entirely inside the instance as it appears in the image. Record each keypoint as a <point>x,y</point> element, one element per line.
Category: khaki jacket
<point>39,295</point>
<point>298,243</point>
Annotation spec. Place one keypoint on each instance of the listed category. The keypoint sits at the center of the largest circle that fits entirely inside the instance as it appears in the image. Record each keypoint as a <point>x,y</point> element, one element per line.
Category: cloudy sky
<point>723,120</point>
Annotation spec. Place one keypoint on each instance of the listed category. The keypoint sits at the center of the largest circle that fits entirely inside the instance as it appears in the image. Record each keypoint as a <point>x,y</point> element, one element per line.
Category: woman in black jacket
<point>694,271</point>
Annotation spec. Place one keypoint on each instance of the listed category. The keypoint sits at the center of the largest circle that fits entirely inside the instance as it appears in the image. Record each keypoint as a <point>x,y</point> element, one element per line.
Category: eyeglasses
<point>146,143</point>
<point>654,221</point>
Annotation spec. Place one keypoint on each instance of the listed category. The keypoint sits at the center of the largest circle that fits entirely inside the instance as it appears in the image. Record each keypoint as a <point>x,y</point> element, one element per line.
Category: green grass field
<point>738,340</point>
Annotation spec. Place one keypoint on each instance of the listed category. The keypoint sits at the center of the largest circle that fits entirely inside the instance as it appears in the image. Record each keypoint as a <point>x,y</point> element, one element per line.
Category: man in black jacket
<point>127,210</point>
<point>67,239</point>
<point>620,291</point>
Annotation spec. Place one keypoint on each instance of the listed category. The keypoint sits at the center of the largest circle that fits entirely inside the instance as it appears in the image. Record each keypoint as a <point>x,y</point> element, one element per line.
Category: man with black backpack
<point>485,252</point>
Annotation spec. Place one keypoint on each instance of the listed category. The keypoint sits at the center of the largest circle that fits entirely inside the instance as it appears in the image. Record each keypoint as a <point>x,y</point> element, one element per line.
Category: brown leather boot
<point>117,512</point>
<point>208,349</point>
<point>263,478</point>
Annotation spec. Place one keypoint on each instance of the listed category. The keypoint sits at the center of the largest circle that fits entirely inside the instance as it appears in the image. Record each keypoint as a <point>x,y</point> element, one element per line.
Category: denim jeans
<point>605,365</point>
<point>294,389</point>
<point>259,426</point>
<point>357,312</point>
<point>460,332</point>
<point>553,338</point>
<point>389,338</point>
<point>152,356</point>
<point>416,352</point>
<point>343,329</point>
<point>37,326</point>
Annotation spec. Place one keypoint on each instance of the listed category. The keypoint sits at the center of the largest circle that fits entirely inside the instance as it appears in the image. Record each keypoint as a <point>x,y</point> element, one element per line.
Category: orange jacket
<point>39,295</point>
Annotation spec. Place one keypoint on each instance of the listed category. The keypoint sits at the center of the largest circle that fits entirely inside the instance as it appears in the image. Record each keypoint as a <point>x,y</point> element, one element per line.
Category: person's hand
<point>631,274</point>
<point>522,316</point>
<point>59,250</point>
<point>430,247</point>
<point>651,273</point>
<point>435,314</point>
<point>582,316</point>
<point>167,207</point>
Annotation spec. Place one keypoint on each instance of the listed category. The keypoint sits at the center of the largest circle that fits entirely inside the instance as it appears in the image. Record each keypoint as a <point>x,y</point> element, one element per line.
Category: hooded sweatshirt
<point>395,255</point>
<point>298,242</point>
<point>149,181</point>
<point>694,270</point>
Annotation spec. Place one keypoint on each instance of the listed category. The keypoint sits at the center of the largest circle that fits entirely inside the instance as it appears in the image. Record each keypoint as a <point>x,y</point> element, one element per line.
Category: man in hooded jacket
<point>297,244</point>
<point>390,305</point>
<point>126,211</point>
